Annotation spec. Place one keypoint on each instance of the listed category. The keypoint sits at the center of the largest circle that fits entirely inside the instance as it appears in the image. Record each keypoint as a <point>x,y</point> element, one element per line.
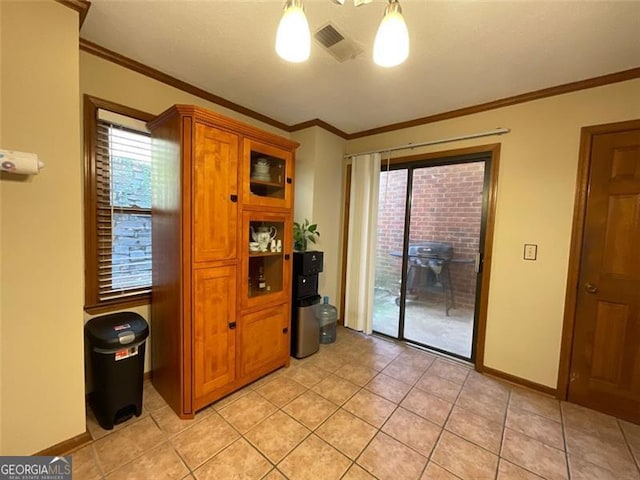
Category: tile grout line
<point>444,423</point>
<point>535,439</point>
<point>468,381</point>
<point>485,418</point>
<point>310,431</point>
<point>313,431</point>
<point>379,429</point>
<point>564,439</point>
<point>624,435</point>
<point>504,429</point>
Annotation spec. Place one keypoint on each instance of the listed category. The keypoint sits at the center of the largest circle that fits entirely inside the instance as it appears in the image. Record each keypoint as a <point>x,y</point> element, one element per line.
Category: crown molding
<point>150,72</point>
<point>80,6</point>
<point>316,122</point>
<point>143,69</point>
<point>505,102</point>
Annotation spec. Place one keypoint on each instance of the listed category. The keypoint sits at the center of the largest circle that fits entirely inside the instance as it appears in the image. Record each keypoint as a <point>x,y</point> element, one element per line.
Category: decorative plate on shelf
<point>261,178</point>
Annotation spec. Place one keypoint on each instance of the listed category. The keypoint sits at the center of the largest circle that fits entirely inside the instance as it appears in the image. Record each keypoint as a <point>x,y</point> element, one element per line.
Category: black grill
<point>428,264</point>
<point>433,250</point>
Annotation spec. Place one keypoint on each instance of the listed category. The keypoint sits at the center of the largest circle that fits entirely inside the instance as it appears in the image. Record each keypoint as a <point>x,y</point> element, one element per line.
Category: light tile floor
<point>366,408</point>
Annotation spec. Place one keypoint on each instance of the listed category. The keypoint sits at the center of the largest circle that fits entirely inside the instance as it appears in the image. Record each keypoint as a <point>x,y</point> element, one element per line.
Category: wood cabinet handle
<point>234,198</point>
<point>289,180</point>
<point>232,325</point>
<point>590,288</point>
<point>285,330</point>
<point>286,256</point>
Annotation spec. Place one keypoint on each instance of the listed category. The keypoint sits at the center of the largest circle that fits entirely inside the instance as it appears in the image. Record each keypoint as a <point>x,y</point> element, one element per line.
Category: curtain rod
<point>497,131</point>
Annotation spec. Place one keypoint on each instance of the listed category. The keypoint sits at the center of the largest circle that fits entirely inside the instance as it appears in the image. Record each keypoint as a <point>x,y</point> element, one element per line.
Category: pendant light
<point>391,46</point>
<point>293,40</point>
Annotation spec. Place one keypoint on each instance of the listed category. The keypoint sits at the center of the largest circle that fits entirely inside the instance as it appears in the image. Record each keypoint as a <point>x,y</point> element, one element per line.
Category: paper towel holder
<point>20,163</point>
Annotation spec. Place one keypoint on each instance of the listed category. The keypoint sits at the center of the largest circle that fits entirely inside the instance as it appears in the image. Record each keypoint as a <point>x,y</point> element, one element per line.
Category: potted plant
<point>304,232</point>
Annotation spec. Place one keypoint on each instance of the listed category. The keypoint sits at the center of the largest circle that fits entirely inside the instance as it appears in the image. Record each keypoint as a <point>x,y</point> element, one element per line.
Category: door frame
<point>492,192</point>
<point>575,251</point>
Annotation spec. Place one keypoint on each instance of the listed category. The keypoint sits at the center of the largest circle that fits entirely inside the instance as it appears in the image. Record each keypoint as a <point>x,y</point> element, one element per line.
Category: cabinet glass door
<point>267,175</point>
<point>267,238</point>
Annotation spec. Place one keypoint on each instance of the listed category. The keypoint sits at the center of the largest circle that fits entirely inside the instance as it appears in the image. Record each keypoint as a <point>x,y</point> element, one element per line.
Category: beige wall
<point>328,205</point>
<point>536,185</point>
<point>41,255</point>
<point>1,223</point>
<point>305,163</point>
<point>41,263</point>
<point>109,81</point>
<point>103,79</point>
<point>319,194</point>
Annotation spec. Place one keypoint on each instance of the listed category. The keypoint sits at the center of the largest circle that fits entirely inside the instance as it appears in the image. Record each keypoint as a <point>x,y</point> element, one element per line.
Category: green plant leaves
<point>303,232</point>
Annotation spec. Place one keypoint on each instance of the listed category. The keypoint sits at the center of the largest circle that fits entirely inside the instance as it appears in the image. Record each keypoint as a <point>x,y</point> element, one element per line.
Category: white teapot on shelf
<point>264,235</point>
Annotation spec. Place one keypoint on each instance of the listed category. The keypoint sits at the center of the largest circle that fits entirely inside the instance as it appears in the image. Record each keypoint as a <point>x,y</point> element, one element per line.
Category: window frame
<point>92,302</point>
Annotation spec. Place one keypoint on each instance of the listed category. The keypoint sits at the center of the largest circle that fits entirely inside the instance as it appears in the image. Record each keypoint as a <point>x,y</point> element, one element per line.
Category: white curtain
<point>361,248</point>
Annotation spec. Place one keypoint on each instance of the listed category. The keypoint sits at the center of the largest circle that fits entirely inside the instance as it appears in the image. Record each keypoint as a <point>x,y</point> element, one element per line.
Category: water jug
<point>327,316</point>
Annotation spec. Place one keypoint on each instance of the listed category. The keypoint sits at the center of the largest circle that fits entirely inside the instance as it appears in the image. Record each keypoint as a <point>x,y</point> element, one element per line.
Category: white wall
<point>41,220</point>
<point>536,187</point>
<point>319,196</point>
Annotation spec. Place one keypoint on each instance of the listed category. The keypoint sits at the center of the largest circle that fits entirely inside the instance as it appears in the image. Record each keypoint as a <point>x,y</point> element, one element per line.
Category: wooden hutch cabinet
<point>222,243</point>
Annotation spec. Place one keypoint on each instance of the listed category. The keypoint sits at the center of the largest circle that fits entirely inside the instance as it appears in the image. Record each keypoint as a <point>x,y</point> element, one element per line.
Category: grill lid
<point>440,250</point>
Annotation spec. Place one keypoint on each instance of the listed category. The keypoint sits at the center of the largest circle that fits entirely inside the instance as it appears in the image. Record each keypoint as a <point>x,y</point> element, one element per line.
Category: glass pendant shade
<point>391,46</point>
<point>293,40</point>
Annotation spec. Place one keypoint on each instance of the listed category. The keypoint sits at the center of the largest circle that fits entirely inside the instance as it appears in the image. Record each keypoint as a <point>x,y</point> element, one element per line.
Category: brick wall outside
<point>131,233</point>
<point>446,207</point>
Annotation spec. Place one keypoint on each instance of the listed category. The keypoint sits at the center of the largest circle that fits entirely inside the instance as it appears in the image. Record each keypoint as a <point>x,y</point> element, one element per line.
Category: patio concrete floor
<point>425,322</point>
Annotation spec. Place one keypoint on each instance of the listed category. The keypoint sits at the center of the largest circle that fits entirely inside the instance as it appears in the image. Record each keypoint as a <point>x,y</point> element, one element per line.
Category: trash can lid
<point>116,330</point>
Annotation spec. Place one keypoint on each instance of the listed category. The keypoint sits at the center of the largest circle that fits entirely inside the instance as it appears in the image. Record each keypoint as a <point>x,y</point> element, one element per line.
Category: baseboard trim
<point>519,381</point>
<point>67,445</point>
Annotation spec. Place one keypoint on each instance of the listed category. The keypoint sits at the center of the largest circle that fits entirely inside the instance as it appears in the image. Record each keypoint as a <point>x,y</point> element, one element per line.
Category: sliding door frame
<point>490,197</point>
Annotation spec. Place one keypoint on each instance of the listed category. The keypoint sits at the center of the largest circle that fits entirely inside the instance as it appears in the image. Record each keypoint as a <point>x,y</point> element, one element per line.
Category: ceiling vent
<point>340,47</point>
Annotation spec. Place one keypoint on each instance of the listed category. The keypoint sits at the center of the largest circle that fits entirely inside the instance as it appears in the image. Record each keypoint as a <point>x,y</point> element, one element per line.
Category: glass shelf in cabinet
<point>265,254</point>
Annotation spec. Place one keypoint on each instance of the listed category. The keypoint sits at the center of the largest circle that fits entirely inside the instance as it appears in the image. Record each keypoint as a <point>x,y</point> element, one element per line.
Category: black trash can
<point>117,343</point>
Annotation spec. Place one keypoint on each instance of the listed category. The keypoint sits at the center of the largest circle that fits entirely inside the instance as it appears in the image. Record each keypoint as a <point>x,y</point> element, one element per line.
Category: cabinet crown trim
<point>221,121</point>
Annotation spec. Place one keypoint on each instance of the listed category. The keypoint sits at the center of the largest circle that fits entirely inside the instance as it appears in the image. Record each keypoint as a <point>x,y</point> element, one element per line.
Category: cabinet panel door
<point>267,176</point>
<point>215,181</point>
<point>214,334</point>
<point>263,340</point>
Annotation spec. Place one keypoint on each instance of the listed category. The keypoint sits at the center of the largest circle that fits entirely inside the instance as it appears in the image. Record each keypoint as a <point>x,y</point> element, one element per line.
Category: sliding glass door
<point>391,223</point>
<point>430,240</point>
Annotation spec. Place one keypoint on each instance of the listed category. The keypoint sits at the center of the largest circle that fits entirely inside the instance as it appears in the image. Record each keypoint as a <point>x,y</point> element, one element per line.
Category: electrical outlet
<point>530,251</point>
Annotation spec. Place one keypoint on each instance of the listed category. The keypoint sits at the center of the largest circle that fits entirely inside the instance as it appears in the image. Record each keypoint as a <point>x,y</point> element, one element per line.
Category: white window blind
<point>123,203</point>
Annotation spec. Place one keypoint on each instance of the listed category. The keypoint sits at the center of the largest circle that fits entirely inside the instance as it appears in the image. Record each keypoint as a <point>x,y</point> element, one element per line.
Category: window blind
<point>123,210</point>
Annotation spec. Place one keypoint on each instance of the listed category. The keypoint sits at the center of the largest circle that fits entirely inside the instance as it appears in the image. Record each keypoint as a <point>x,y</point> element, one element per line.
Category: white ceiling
<point>463,53</point>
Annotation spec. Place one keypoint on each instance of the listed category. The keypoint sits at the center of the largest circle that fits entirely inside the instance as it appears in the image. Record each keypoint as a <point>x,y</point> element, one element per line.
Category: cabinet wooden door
<point>214,333</point>
<point>267,175</point>
<point>263,340</point>
<point>215,194</point>
<point>605,365</point>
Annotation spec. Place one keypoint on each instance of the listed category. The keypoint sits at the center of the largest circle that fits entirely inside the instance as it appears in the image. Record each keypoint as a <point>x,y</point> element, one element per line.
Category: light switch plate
<point>530,251</point>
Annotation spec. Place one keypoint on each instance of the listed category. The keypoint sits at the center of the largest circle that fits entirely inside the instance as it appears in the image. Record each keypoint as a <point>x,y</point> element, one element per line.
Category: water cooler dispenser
<point>305,329</point>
